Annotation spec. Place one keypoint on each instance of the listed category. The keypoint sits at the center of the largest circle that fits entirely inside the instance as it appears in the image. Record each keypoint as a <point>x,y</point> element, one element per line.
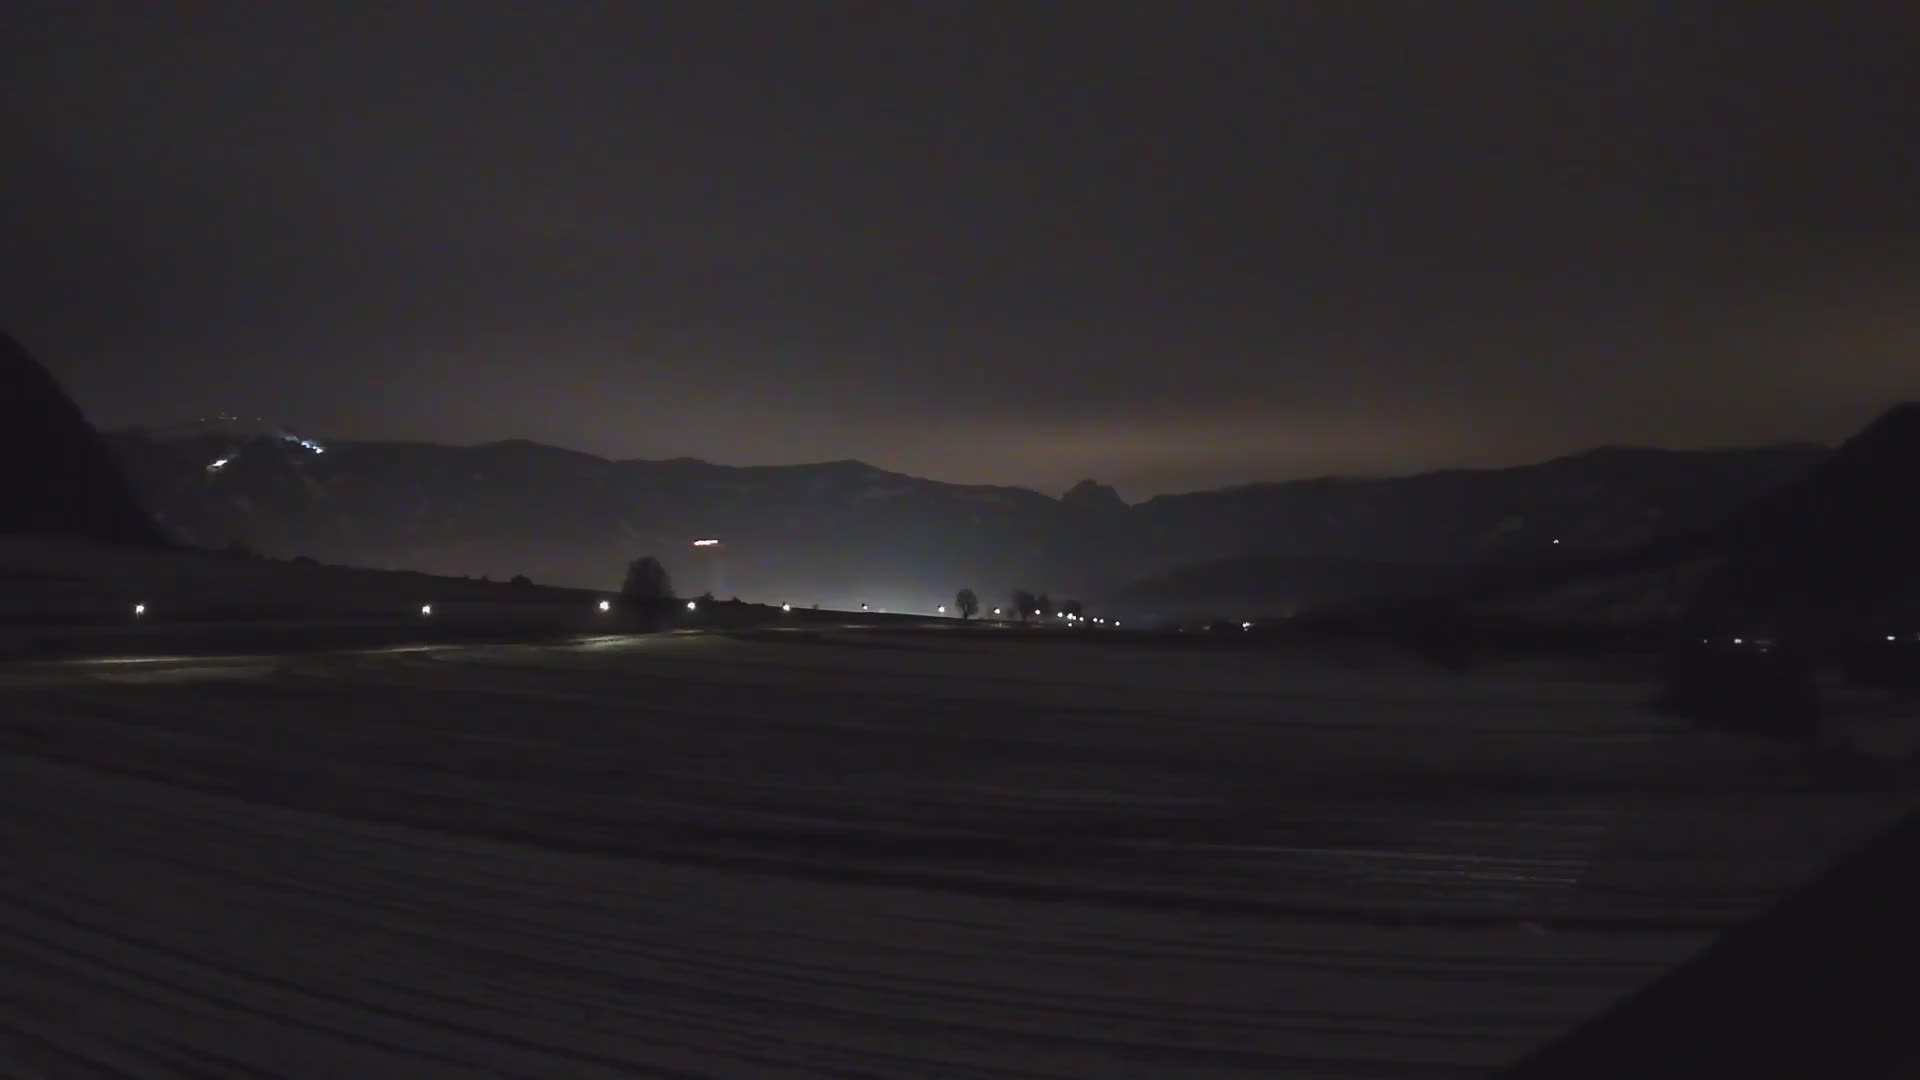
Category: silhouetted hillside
<point>57,476</point>
<point>1837,552</point>
<point>841,533</point>
<point>1832,556</point>
<point>1493,532</point>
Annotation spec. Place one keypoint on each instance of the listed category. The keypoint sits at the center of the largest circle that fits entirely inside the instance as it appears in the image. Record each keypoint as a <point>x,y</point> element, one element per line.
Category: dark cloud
<point>1167,245</point>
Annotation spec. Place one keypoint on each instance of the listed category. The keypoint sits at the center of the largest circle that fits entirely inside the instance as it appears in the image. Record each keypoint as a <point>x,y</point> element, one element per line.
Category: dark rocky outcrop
<point>1090,497</point>
<point>58,477</point>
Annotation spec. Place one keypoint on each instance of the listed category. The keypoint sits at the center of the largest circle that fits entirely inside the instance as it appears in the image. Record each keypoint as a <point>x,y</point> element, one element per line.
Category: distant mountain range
<point>843,533</point>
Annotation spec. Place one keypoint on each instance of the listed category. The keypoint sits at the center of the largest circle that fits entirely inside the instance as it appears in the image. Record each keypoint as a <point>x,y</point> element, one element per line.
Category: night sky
<point>1170,245</point>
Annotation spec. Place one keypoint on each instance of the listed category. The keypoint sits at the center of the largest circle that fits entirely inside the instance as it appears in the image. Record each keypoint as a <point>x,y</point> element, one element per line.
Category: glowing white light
<point>691,606</point>
<point>606,605</point>
<point>786,607</point>
<point>1246,626</point>
<point>1890,637</point>
<point>1056,615</point>
<point>139,610</point>
<point>426,609</point>
<point>942,609</point>
<point>863,607</point>
<point>996,611</point>
<point>1556,541</point>
<point>218,464</point>
<point>1739,641</point>
<point>1116,622</point>
<point>705,543</point>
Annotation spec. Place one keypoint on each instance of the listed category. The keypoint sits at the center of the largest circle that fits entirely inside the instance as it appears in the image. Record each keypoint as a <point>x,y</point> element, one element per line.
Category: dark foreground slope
<point>57,477</point>
<point>1823,985</point>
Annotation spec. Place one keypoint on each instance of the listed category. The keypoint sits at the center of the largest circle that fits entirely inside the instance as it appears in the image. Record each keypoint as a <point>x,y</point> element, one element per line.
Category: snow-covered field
<point>856,855</point>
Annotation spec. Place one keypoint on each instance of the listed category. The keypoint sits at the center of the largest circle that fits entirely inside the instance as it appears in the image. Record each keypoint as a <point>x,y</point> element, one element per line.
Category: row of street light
<point>605,606</point>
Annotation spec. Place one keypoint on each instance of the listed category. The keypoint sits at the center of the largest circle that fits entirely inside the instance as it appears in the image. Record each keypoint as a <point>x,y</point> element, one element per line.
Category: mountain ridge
<point>846,532</point>
<point>1619,450</point>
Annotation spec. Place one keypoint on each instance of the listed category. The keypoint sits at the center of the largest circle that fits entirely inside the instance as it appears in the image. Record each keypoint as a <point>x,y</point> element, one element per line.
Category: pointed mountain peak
<point>1089,495</point>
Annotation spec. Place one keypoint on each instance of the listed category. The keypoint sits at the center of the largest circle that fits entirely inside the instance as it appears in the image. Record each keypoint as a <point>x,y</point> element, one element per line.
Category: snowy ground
<point>856,854</point>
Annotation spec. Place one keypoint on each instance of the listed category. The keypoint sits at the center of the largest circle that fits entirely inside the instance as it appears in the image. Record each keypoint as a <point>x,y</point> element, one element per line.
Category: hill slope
<point>57,476</point>
<point>1833,554</point>
<point>1838,551</point>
